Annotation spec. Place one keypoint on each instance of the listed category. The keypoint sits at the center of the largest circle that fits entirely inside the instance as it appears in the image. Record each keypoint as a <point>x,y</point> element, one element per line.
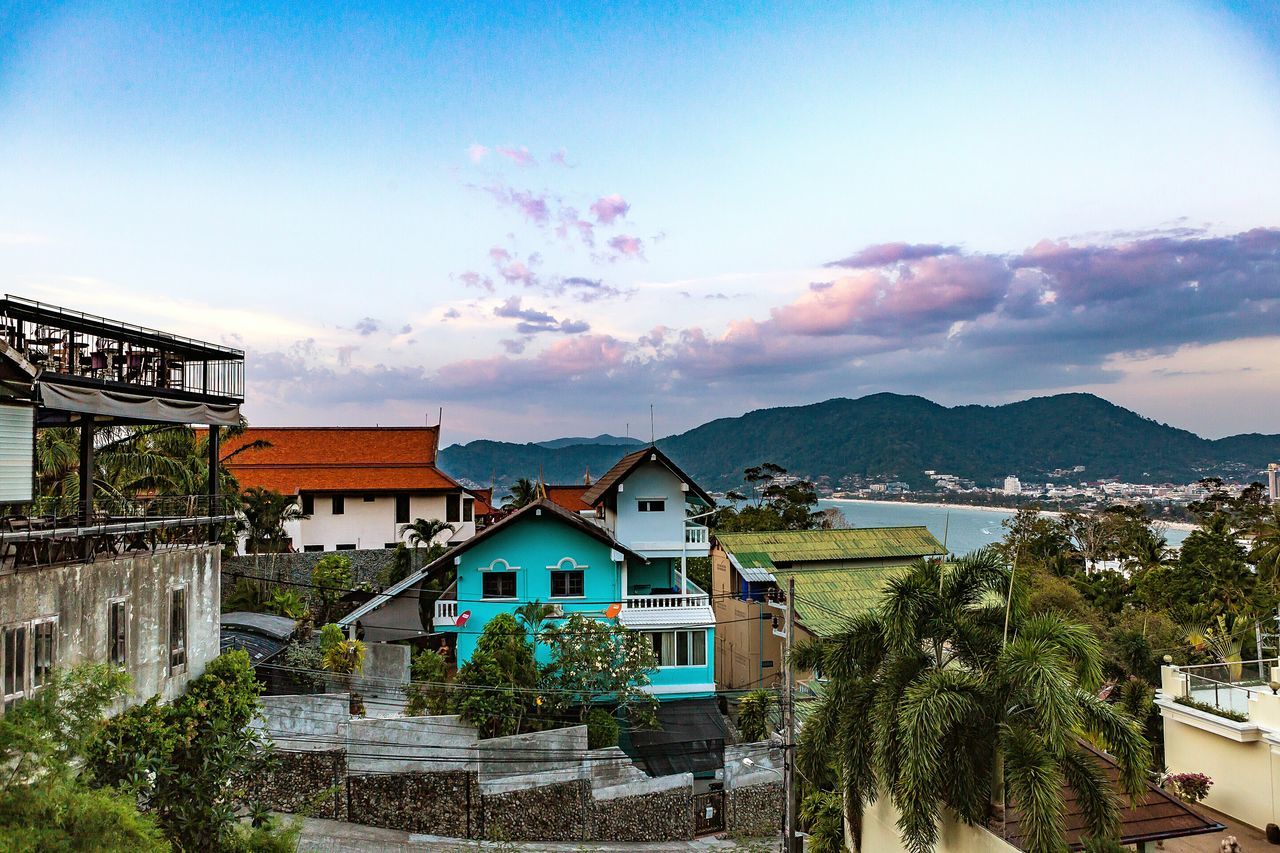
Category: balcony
<point>446,609</point>
<point>696,543</point>
<point>58,531</point>
<point>667,609</point>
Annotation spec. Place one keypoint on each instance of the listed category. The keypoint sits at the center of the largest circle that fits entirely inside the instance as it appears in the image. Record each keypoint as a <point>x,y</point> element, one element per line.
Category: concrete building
<point>1240,752</point>
<point>1273,481</point>
<point>357,486</point>
<point>1012,485</point>
<point>837,572</point>
<point>95,578</point>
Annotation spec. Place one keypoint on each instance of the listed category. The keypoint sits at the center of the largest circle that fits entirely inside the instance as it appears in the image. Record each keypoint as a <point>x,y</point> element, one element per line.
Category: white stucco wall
<point>880,834</point>
<point>368,524</point>
<point>640,529</point>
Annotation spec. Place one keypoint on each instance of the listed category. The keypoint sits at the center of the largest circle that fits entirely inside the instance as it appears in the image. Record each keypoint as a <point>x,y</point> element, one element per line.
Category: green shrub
<point>287,603</point>
<point>602,729</point>
<point>331,578</point>
<point>1212,709</point>
<point>755,715</point>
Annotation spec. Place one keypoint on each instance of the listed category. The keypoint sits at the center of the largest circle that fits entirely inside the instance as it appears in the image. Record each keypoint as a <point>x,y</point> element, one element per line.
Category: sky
<point>543,219</point>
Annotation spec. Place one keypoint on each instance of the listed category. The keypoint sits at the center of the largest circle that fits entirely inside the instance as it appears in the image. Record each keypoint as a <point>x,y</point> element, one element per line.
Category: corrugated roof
<point>337,459</point>
<point>626,464</point>
<point>762,550</point>
<point>826,598</point>
<point>1157,816</point>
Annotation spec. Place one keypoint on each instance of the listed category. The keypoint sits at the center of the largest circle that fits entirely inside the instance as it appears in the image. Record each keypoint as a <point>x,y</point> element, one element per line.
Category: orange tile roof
<point>569,497</point>
<point>337,459</point>
<point>484,502</point>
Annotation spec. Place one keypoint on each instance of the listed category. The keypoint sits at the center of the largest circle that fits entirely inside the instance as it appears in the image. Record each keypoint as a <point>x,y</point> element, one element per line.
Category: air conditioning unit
<point>557,611</point>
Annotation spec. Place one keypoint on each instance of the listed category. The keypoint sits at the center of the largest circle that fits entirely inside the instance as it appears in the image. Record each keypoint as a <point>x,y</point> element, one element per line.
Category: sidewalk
<point>331,836</point>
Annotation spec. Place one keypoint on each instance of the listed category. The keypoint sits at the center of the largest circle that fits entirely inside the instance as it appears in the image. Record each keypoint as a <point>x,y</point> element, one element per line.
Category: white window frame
<point>640,501</point>
<point>566,564</point>
<point>123,601</point>
<point>10,698</point>
<point>689,644</point>
<point>178,669</point>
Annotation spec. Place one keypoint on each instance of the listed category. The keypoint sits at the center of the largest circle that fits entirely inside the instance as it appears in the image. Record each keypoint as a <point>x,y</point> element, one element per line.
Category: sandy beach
<point>1172,525</point>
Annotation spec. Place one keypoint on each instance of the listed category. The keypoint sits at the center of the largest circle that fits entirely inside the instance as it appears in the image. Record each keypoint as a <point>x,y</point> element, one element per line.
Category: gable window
<point>468,509</point>
<point>178,629</point>
<point>680,648</point>
<point>339,504</point>
<point>402,509</point>
<point>651,505</point>
<point>308,504</point>
<point>118,633</point>
<point>568,583</point>
<point>13,648</point>
<point>44,648</point>
<point>499,585</point>
<point>453,507</point>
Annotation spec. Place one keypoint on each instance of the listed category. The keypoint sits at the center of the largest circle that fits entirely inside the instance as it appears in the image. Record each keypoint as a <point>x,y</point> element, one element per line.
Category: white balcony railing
<point>696,534</point>
<point>666,601</point>
<point>446,612</point>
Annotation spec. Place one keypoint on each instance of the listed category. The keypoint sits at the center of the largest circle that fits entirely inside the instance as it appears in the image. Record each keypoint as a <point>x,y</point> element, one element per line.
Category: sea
<point>962,529</point>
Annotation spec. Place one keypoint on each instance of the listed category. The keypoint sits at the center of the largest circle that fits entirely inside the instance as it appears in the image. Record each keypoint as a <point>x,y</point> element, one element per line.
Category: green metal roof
<point>764,550</point>
<point>825,598</point>
<point>838,573</point>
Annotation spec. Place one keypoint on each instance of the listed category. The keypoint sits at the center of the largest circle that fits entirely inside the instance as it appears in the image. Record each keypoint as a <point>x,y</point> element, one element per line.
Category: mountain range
<point>900,437</point>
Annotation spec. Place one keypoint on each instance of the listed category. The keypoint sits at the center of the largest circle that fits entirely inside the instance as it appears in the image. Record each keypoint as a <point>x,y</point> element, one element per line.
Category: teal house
<point>613,550</point>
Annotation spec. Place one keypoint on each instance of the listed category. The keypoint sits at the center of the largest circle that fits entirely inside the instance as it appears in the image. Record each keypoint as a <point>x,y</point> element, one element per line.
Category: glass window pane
<point>698,656</point>
<point>682,648</point>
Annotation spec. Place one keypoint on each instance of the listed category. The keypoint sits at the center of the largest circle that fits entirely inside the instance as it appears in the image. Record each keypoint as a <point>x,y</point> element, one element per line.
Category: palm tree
<point>264,515</point>
<point>1265,553</point>
<point>950,695</point>
<point>532,614</point>
<point>423,531</point>
<point>523,492</point>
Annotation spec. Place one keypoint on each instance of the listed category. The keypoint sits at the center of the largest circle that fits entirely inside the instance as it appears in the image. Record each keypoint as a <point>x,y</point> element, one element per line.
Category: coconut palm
<point>950,695</point>
<point>423,531</point>
<point>533,615</point>
<point>523,492</point>
<point>1265,553</point>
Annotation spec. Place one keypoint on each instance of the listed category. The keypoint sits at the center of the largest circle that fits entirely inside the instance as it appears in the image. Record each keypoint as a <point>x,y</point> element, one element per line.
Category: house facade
<point>838,573</point>
<point>618,550</point>
<point>357,487</point>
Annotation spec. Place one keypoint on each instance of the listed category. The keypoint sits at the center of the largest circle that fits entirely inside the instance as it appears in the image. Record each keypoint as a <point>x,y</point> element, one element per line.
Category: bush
<point>248,595</point>
<point>602,729</point>
<point>1212,709</point>
<point>427,694</point>
<point>331,578</point>
<point>1192,787</point>
<point>287,603</point>
<point>755,715</point>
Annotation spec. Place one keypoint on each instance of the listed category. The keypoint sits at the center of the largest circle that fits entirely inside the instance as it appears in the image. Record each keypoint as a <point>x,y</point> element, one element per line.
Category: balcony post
<point>214,453</point>
<point>86,469</point>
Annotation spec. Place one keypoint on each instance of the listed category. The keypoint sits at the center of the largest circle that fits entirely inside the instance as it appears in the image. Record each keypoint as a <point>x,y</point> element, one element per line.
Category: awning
<point>690,739</point>
<point>134,407</point>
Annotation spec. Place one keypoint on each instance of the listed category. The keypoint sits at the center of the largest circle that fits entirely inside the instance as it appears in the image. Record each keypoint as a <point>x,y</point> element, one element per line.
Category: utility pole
<point>789,747</point>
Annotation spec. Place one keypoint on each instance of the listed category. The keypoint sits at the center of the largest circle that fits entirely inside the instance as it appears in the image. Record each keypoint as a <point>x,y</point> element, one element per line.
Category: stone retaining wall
<point>754,811</point>
<point>546,813</point>
<point>431,803</point>
<point>662,816</point>
<point>312,783</point>
<point>366,563</point>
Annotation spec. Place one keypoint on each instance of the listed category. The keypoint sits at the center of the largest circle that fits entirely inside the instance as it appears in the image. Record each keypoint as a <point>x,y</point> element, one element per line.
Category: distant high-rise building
<point>1012,485</point>
<point>1273,480</point>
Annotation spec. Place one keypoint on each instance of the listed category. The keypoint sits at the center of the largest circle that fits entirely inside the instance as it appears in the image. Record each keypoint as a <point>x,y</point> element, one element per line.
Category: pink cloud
<point>627,246</point>
<point>519,156</point>
<point>533,207</point>
<point>884,254</point>
<point>477,153</point>
<point>560,158</point>
<point>610,207</point>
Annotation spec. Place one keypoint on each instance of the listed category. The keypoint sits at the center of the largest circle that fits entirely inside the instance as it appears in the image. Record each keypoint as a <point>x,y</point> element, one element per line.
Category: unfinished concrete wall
<point>79,596</point>
<point>538,758</point>
<point>301,723</point>
<point>411,745</point>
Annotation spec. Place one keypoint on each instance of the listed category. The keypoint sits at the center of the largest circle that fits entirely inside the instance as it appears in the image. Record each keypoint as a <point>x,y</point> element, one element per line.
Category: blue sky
<point>543,220</point>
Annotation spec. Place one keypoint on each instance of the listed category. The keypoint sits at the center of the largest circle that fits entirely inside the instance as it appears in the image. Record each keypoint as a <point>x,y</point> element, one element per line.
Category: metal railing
<point>1227,686</point>
<point>86,347</point>
<point>51,531</point>
<point>666,600</point>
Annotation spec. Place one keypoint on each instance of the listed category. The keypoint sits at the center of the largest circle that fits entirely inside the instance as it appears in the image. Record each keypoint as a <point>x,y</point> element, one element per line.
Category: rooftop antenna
<point>651,438</point>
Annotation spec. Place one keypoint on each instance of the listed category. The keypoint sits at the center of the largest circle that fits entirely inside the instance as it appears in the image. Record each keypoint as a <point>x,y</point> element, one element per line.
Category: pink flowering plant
<point>1192,787</point>
<point>595,661</point>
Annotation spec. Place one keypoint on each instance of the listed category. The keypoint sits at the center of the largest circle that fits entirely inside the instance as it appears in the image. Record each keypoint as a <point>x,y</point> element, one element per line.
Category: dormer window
<point>651,505</point>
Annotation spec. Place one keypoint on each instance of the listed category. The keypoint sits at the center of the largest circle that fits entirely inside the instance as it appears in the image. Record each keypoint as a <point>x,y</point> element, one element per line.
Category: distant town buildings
<point>1273,481</point>
<point>1012,486</point>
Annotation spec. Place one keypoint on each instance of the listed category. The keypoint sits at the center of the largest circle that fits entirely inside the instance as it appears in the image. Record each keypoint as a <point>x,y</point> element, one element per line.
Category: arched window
<point>568,579</point>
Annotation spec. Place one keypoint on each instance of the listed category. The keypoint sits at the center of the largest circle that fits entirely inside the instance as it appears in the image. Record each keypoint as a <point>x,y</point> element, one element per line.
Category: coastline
<point>1172,525</point>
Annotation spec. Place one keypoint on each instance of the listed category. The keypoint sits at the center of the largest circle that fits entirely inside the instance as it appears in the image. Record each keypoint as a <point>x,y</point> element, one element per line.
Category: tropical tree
<point>756,713</point>
<point>950,695</point>
<point>422,532</point>
<point>264,514</point>
<point>523,492</point>
<point>1265,552</point>
<point>593,661</point>
<point>533,615</point>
